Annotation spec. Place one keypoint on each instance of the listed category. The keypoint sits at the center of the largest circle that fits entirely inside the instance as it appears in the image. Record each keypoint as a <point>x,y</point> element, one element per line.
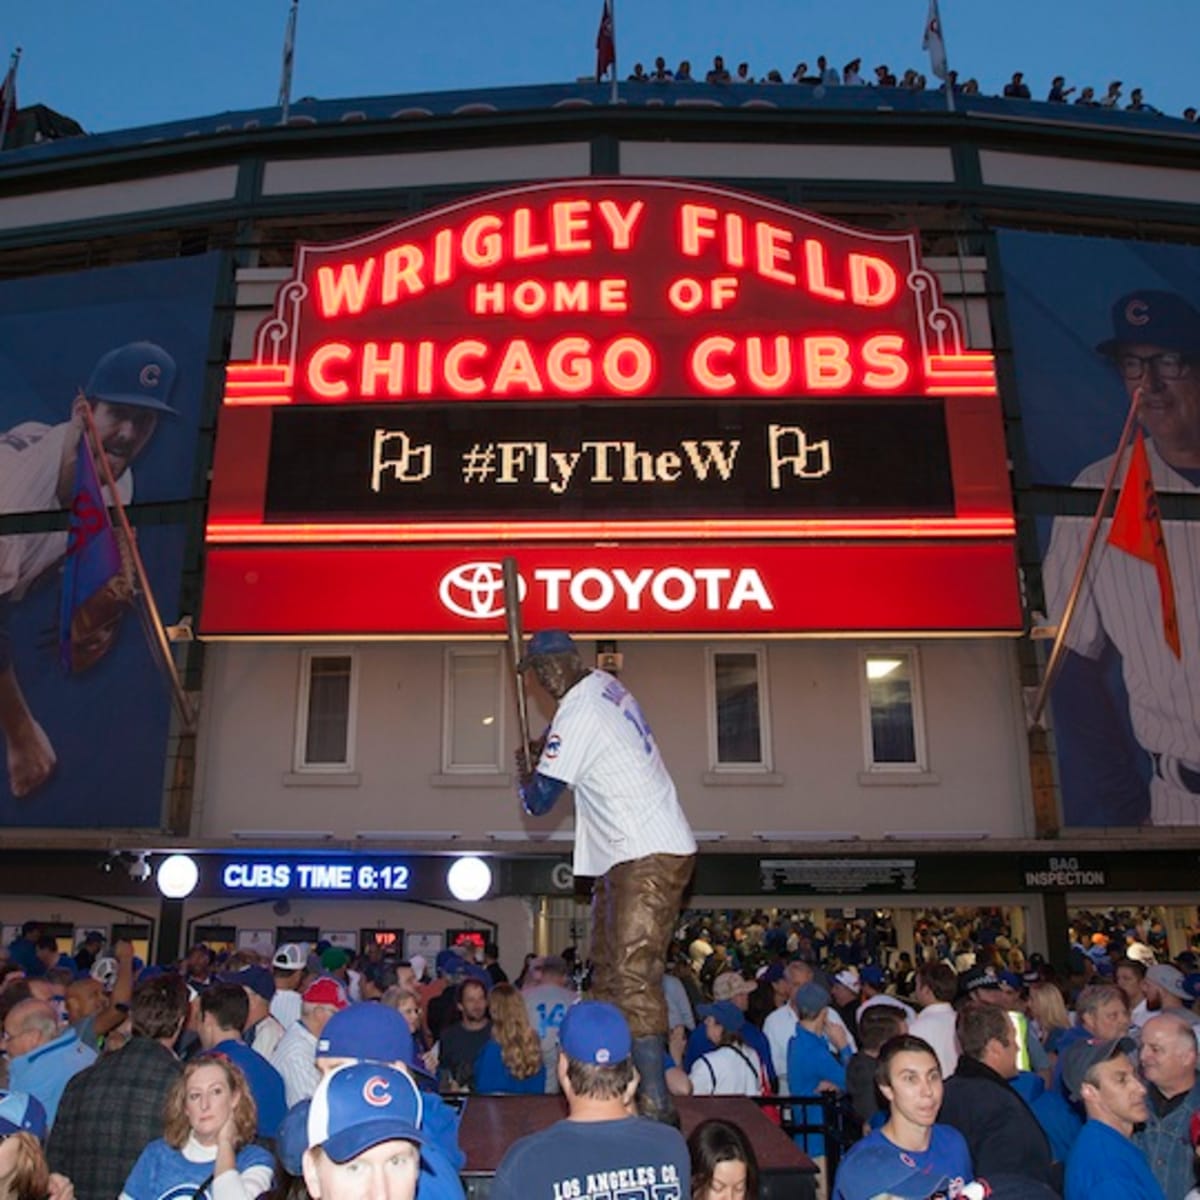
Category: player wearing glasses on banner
<point>631,835</point>
<point>1155,346</point>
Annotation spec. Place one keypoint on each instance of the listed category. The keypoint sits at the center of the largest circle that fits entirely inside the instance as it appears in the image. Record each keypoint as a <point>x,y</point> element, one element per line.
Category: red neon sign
<point>597,289</point>
<point>605,294</point>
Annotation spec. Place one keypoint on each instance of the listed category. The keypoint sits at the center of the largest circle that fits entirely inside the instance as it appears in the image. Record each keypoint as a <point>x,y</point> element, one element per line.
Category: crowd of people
<point>825,75</point>
<point>953,1061</point>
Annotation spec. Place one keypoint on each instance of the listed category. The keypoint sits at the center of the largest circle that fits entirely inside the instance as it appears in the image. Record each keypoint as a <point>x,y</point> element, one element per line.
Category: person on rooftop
<point>1059,93</point>
<point>1017,88</point>
<point>718,73</point>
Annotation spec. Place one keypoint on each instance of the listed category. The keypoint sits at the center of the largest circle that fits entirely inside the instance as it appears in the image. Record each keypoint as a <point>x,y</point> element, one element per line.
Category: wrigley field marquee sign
<point>682,409</point>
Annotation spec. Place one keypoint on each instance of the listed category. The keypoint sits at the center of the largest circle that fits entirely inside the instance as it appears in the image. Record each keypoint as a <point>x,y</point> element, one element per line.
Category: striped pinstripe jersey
<point>626,806</point>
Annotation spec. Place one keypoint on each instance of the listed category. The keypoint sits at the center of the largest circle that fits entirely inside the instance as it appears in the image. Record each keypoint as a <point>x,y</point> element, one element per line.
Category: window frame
<point>766,763</point>
<point>300,764</point>
<point>450,653</point>
<point>920,744</point>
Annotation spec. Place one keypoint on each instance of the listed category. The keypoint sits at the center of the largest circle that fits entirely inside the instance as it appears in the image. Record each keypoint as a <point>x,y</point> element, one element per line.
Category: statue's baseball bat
<point>516,645</point>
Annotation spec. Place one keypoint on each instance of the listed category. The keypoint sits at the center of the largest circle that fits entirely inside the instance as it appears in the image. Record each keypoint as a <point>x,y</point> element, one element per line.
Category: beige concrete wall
<point>977,777</point>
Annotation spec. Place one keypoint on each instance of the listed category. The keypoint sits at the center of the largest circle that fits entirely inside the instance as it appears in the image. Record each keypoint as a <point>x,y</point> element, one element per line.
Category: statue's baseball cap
<point>1080,1057</point>
<point>547,641</point>
<point>595,1032</point>
<point>1154,318</point>
<point>139,374</point>
<point>360,1105</point>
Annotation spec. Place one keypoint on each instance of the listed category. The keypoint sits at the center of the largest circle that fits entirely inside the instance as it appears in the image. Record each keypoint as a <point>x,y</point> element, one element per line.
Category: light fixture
<point>177,876</point>
<point>709,835</point>
<point>139,868</point>
<point>805,835</point>
<point>881,668</point>
<point>936,835</point>
<point>283,835</point>
<point>531,835</point>
<point>407,835</point>
<point>469,878</point>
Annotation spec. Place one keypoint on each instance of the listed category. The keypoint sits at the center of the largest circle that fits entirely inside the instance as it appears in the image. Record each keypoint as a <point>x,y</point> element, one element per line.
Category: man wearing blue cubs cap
<point>364,1135</point>
<point>600,1147</point>
<point>372,1034</point>
<point>631,836</point>
<point>1154,350</point>
<point>125,395</point>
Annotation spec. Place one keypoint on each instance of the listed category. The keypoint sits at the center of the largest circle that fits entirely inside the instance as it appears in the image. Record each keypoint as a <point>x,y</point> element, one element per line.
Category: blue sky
<point>138,62</point>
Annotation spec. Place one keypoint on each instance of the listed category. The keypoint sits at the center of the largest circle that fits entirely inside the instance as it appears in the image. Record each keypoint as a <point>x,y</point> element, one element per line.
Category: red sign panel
<point>626,362</point>
<point>965,586</point>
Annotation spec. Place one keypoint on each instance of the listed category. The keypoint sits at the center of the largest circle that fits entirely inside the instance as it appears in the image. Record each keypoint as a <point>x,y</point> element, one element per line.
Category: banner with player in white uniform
<point>125,347</point>
<point>1096,322</point>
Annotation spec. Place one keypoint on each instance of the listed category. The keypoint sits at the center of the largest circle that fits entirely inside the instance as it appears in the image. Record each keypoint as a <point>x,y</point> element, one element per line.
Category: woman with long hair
<point>208,1134</point>
<point>511,1059</point>
<point>1049,1013</point>
<point>723,1163</point>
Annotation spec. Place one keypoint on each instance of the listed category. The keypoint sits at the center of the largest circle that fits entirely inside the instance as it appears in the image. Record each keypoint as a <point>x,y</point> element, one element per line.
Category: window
<point>471,737</point>
<point>738,721</point>
<point>325,720</point>
<point>893,726</point>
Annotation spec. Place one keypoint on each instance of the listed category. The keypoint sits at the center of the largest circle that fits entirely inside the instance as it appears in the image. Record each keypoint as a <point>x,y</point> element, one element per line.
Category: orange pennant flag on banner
<point>1137,529</point>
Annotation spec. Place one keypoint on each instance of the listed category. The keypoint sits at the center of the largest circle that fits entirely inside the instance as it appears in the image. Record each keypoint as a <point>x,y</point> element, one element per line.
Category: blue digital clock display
<point>345,877</point>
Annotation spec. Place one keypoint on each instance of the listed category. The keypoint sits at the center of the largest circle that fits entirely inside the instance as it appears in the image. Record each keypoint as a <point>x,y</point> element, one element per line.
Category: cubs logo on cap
<point>594,1031</point>
<point>1153,318</point>
<point>360,1105</point>
<point>140,374</point>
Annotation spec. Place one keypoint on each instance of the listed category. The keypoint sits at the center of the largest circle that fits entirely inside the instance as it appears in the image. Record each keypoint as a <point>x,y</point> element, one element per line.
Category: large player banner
<point>1094,323</point>
<point>89,748</point>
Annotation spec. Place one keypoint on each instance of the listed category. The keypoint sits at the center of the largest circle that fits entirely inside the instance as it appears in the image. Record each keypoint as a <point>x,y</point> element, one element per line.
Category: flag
<point>606,46</point>
<point>8,100</point>
<point>289,54</point>
<point>934,42</point>
<point>1137,529</point>
<point>93,553</point>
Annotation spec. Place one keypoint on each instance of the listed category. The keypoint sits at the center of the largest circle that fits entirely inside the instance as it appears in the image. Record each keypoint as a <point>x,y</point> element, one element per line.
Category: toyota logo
<point>476,590</point>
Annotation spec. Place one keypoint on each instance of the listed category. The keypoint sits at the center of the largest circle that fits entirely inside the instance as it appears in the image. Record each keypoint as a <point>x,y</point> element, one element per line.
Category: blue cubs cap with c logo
<point>361,1105</point>
<point>1154,318</point>
<point>140,374</point>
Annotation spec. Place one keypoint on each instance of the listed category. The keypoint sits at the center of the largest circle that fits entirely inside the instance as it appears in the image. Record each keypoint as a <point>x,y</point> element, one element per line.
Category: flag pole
<point>612,11</point>
<point>289,54</point>
<point>10,96</point>
<point>1054,662</point>
<point>187,713</point>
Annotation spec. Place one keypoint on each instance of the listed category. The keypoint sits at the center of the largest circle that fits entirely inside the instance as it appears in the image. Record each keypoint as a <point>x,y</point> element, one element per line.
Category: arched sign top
<point>609,289</point>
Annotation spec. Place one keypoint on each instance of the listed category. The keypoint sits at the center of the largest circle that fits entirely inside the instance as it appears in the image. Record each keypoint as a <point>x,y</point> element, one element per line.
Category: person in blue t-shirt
<point>599,1150</point>
<point>1104,1163</point>
<point>910,1157</point>
<point>224,1010</point>
<point>207,1147</point>
<point>812,1065</point>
